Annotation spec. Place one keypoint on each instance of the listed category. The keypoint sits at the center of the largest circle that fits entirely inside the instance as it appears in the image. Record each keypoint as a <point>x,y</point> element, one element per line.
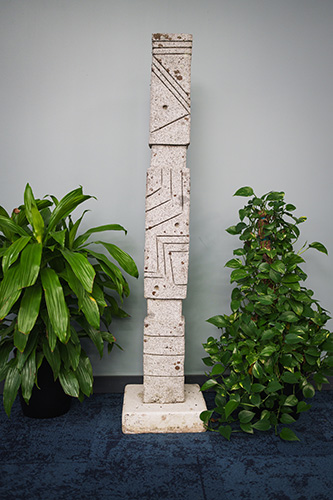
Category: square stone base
<point>139,417</point>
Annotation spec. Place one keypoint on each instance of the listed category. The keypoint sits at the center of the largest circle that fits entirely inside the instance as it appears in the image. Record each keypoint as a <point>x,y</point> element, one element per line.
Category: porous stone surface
<point>163,346</point>
<point>167,366</point>
<point>139,417</point>
<point>167,219</point>
<point>164,403</point>
<point>170,89</point>
<point>163,389</point>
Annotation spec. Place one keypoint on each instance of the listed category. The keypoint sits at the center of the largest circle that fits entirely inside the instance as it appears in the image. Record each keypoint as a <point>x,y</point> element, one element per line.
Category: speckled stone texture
<point>167,219</point>
<point>84,455</point>
<point>163,404</point>
<point>183,417</point>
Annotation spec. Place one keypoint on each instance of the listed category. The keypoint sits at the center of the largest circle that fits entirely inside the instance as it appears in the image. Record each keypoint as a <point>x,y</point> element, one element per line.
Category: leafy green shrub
<point>274,348</point>
<point>54,291</point>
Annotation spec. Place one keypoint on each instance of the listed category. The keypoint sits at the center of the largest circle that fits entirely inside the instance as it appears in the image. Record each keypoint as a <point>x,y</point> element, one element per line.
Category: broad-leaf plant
<point>55,289</point>
<point>274,349</point>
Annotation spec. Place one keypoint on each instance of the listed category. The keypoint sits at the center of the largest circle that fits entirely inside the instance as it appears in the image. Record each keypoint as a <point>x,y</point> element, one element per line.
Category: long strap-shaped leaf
<point>86,302</point>
<point>123,259</point>
<point>8,224</point>
<point>32,213</point>
<point>12,383</point>
<point>66,205</point>
<point>55,303</point>
<point>81,267</point>
<point>108,227</point>
<point>29,308</point>
<point>12,253</point>
<point>19,276</point>
<point>29,265</point>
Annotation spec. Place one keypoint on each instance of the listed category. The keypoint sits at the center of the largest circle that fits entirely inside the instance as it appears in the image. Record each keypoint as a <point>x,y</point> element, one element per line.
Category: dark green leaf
<point>20,340</point>
<point>108,227</point>
<point>84,375</point>
<point>318,246</point>
<point>275,195</point>
<point>12,384</point>
<point>32,214</point>
<point>303,406</point>
<point>291,401</point>
<point>235,305</point>
<point>237,275</point>
<point>287,419</point>
<point>66,205</point>
<point>86,302</point>
<point>244,191</point>
<point>308,391</point>
<point>55,303</point>
<point>278,266</point>
<point>230,407</point>
<point>69,383</point>
<point>268,350</point>
<point>292,338</point>
<point>81,267</point>
<point>262,425</point>
<point>274,386</point>
<point>218,321</point>
<point>206,415</point>
<point>123,259</point>
<point>207,385</point>
<point>288,435</point>
<point>29,265</point>
<point>73,230</point>
<point>290,378</point>
<point>234,263</point>
<point>28,376</point>
<point>12,253</point>
<point>9,225</point>
<point>53,357</point>
<point>247,428</point>
<point>59,236</point>
<point>257,370</point>
<point>29,308</point>
<point>245,416</point>
<point>225,431</point>
<point>257,388</point>
<point>288,317</point>
<point>217,370</point>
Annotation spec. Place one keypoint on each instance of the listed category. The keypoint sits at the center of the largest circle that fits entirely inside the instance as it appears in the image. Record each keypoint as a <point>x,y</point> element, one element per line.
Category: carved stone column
<point>167,244</point>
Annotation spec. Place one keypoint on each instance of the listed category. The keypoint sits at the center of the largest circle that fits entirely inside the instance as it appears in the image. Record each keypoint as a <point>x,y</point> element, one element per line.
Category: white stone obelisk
<point>165,403</point>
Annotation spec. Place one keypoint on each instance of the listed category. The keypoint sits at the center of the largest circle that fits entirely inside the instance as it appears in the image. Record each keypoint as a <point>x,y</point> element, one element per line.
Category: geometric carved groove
<point>167,232</point>
<point>167,219</point>
<point>170,91</point>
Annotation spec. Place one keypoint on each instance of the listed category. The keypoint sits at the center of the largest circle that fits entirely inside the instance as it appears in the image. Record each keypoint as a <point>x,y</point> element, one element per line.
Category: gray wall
<point>74,109</point>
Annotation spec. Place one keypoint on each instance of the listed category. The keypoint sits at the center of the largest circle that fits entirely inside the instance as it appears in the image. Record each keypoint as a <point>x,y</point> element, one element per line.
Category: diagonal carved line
<point>173,82</point>
<point>156,191</point>
<point>166,220</point>
<point>168,80</point>
<point>173,87</point>
<point>159,188</point>
<point>170,123</point>
<point>156,206</point>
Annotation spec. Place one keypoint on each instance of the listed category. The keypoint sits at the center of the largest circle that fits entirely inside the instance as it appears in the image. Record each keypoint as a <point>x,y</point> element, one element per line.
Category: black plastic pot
<point>50,400</point>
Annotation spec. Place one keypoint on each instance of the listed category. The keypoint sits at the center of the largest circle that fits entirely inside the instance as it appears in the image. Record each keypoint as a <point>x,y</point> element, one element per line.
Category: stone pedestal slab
<point>139,417</point>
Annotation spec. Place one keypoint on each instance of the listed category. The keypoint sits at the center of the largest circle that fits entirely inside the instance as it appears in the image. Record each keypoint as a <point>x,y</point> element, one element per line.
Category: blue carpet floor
<point>84,455</point>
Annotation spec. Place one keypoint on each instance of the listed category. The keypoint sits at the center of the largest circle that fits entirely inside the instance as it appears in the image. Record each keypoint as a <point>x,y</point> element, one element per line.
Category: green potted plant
<point>54,291</point>
<point>274,350</point>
